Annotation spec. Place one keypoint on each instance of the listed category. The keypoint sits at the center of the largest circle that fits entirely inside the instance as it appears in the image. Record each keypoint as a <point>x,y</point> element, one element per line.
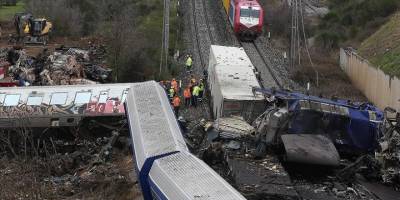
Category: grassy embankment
<point>7,12</point>
<point>352,21</point>
<point>382,49</point>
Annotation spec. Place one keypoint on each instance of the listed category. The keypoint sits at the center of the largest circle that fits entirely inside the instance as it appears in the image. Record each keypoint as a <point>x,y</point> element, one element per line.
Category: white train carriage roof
<point>230,56</point>
<point>234,73</point>
<point>152,122</point>
<point>192,178</point>
<point>236,82</point>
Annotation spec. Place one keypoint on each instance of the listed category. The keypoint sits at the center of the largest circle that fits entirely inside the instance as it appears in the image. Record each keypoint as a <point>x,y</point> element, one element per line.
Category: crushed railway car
<point>57,106</point>
<point>314,130</point>
<point>231,77</point>
<point>246,17</point>
<point>167,170</point>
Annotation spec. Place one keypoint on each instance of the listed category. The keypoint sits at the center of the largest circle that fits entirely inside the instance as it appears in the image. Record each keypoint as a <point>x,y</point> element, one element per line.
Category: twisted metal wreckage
<point>302,122</point>
<point>65,66</point>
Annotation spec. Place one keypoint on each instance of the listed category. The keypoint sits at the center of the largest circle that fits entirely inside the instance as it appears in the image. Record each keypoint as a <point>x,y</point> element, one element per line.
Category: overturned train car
<point>231,77</point>
<point>166,168</point>
<point>313,129</point>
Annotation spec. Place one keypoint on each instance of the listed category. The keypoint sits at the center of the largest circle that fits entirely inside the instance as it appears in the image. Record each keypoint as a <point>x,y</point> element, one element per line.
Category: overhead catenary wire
<point>297,7</point>
<point>306,44</point>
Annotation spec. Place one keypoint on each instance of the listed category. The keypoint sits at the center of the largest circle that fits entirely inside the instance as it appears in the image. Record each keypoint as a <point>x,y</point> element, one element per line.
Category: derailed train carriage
<point>231,77</point>
<point>310,129</point>
<point>316,130</point>
<point>246,17</point>
<point>165,167</point>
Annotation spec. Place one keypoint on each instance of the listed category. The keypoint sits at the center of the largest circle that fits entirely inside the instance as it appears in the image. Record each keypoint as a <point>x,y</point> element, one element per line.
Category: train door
<point>232,12</point>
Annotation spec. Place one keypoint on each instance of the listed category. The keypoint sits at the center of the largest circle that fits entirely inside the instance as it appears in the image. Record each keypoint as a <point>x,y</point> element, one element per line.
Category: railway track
<point>206,13</point>
<point>202,39</point>
<point>256,54</point>
<point>263,65</point>
<point>203,36</point>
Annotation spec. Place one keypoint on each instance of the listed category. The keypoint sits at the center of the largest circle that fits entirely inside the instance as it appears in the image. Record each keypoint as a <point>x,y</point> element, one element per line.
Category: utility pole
<point>297,7</point>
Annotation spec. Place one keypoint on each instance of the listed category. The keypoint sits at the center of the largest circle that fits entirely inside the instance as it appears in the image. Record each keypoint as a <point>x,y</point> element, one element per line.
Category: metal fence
<point>381,89</point>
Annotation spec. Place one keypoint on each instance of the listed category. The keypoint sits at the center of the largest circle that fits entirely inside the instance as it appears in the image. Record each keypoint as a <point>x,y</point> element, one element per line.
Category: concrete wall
<point>381,89</point>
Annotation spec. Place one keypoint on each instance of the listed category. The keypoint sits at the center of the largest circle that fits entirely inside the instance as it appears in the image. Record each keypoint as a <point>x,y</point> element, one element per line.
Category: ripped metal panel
<point>310,149</point>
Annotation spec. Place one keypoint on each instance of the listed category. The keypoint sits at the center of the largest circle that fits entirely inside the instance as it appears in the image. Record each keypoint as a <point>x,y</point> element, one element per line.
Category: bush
<point>67,19</point>
<point>329,39</point>
<point>353,19</point>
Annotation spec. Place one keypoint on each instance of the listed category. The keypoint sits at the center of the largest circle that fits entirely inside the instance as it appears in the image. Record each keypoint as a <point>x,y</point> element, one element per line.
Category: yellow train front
<point>246,17</point>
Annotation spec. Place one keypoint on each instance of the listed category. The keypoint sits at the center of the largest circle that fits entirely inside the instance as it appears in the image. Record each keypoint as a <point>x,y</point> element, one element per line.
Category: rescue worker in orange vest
<point>176,102</point>
<point>174,83</point>
<point>187,95</point>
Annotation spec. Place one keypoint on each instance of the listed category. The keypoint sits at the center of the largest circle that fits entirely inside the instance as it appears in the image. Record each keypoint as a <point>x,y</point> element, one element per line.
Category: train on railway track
<point>246,17</point>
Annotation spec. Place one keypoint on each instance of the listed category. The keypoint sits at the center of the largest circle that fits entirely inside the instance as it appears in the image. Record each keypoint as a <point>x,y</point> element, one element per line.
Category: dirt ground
<point>70,165</point>
<point>7,30</point>
<point>332,80</point>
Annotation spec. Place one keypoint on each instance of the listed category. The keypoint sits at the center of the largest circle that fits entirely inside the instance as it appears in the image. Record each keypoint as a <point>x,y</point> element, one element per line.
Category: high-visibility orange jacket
<point>176,102</point>
<point>174,83</point>
<point>186,93</point>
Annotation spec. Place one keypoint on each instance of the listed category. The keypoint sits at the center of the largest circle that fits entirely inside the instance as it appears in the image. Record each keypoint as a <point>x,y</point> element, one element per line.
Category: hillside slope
<point>352,21</point>
<point>382,48</point>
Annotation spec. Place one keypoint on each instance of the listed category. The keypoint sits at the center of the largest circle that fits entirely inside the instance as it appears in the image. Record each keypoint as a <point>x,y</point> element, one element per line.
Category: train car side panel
<point>261,22</point>
<point>236,24</point>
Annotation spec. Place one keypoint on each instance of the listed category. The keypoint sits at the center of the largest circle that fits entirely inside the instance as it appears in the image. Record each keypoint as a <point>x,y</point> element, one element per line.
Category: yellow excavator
<point>32,30</point>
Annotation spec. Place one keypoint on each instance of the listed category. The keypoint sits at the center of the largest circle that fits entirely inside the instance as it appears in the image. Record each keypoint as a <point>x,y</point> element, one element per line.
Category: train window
<point>255,13</point>
<point>244,12</point>
<point>58,98</point>
<point>249,12</point>
<point>11,99</point>
<point>2,98</point>
<point>103,97</point>
<point>34,101</point>
<point>83,97</point>
<point>124,94</point>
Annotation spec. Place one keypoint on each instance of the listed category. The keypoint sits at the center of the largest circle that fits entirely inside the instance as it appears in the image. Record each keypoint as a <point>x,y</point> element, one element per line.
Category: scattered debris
<point>66,66</point>
<point>233,127</point>
<point>65,166</point>
<point>389,154</point>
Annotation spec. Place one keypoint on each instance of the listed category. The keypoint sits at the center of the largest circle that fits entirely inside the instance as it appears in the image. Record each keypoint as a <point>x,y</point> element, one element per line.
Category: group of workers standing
<point>192,93</point>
